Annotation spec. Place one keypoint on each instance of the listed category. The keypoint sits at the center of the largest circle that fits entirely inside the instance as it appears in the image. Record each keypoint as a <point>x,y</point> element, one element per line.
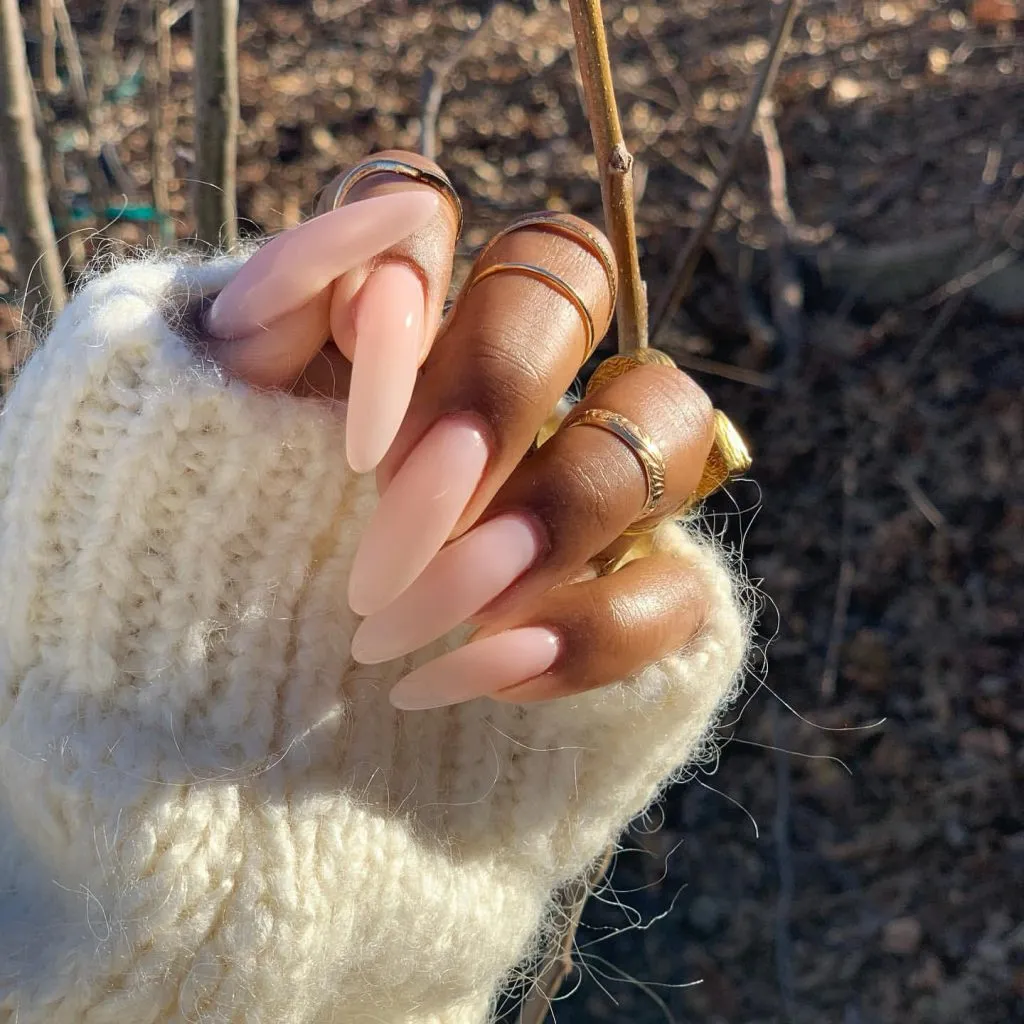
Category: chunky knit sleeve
<point>208,811</point>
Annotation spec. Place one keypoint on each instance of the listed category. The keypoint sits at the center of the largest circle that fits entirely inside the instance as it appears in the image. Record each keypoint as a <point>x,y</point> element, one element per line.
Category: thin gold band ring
<point>560,285</point>
<point>383,165</point>
<point>555,223</point>
<point>639,442</point>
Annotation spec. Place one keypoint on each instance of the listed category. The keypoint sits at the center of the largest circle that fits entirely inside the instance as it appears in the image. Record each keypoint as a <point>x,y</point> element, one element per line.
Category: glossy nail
<point>486,666</point>
<point>300,263</point>
<point>388,319</point>
<point>464,577</point>
<point>417,513</point>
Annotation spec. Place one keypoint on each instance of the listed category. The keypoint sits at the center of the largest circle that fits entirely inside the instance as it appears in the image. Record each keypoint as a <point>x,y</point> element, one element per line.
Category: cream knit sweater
<point>208,811</point>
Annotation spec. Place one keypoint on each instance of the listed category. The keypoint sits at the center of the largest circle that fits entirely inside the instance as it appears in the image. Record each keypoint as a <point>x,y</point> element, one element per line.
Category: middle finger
<point>538,299</point>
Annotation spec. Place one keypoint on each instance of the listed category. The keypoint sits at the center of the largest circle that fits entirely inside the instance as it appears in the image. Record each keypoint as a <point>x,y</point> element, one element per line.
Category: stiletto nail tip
<point>463,578</point>
<point>390,217</point>
<point>389,317</point>
<point>483,667</point>
<point>416,514</point>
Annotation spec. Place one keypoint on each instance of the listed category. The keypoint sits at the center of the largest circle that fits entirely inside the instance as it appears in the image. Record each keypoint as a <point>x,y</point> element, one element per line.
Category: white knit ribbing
<point>207,810</point>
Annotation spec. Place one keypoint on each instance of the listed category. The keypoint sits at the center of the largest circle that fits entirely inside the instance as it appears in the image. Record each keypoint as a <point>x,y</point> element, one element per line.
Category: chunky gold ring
<point>560,285</point>
<point>617,366</point>
<point>568,229</point>
<point>639,442</point>
<point>729,457</point>
<point>384,165</point>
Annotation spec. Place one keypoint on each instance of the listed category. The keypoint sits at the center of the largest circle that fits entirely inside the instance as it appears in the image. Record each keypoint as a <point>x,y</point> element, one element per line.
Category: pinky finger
<point>575,638</point>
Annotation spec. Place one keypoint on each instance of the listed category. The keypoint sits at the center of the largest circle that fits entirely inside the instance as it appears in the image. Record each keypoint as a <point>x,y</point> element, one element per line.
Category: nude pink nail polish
<point>417,512</point>
<point>464,577</point>
<point>301,262</point>
<point>479,668</point>
<point>388,319</point>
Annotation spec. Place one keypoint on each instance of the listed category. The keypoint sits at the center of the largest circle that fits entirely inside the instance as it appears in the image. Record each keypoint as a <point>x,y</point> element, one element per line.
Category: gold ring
<point>588,240</point>
<point>639,442</point>
<point>560,285</point>
<point>617,366</point>
<point>729,456</point>
<point>384,165</point>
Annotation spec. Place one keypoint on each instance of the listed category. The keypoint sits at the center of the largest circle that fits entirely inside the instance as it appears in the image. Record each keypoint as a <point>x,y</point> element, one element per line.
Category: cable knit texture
<point>208,811</point>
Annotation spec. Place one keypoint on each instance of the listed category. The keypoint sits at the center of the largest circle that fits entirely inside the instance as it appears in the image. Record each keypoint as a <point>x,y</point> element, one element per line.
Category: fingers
<point>562,506</point>
<point>262,327</point>
<point>385,313</point>
<point>507,353</point>
<point>370,272</point>
<point>575,638</point>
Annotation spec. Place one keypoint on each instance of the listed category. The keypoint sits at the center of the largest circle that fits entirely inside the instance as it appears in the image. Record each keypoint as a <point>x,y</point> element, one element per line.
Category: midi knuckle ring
<point>553,281</point>
<point>436,180</point>
<point>587,240</point>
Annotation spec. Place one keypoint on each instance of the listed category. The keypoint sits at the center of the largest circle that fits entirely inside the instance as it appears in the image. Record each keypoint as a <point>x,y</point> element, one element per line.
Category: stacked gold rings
<point>568,229</point>
<point>432,179</point>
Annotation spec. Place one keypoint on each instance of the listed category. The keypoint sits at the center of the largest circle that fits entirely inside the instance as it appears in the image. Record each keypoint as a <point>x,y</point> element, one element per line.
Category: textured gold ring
<point>639,442</point>
<point>729,456</point>
<point>432,179</point>
<point>559,284</point>
<point>555,223</point>
<point>619,365</point>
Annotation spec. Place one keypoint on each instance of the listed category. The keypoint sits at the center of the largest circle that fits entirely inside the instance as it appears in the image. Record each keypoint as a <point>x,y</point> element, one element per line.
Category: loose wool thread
<point>208,811</point>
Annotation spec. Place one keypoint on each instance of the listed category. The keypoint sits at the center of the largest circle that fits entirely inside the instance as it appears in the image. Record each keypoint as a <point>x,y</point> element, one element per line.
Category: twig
<point>435,79</point>
<point>727,371</point>
<point>104,50</point>
<point>787,875</point>
<point>26,213</point>
<point>685,265</point>
<point>615,165</point>
<point>215,41</point>
<point>920,500</point>
<point>787,290</point>
<point>48,56</point>
<point>570,903</point>
<point>156,37</point>
<point>70,244</point>
<point>844,586</point>
<point>85,108</point>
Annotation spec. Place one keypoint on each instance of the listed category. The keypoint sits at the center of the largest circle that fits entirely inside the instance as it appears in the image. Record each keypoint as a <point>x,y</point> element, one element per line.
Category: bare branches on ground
<point>435,80</point>
<point>682,272</point>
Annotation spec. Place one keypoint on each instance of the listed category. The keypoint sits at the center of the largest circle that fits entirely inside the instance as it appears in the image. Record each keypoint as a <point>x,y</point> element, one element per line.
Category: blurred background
<point>855,854</point>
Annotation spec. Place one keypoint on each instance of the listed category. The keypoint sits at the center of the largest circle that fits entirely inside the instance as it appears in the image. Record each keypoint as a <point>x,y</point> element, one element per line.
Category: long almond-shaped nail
<point>486,666</point>
<point>299,263</point>
<point>389,316</point>
<point>417,513</point>
<point>462,579</point>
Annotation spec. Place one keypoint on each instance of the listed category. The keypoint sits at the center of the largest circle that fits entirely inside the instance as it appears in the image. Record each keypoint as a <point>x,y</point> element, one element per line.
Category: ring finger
<point>536,302</point>
<point>634,449</point>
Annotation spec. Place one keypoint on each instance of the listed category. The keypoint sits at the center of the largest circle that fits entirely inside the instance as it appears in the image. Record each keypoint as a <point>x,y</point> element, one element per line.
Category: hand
<point>473,524</point>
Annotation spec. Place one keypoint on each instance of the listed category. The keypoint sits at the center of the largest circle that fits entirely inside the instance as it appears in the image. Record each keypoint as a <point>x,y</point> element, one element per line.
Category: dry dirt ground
<point>829,869</point>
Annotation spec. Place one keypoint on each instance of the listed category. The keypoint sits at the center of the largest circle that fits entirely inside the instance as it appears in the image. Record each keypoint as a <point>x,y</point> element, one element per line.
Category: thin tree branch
<point>435,79</point>
<point>26,213</point>
<point>571,901</point>
<point>104,51</point>
<point>681,275</point>
<point>615,165</point>
<point>48,56</point>
<point>215,41</point>
<point>86,110</point>
<point>156,38</point>
<point>70,244</point>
